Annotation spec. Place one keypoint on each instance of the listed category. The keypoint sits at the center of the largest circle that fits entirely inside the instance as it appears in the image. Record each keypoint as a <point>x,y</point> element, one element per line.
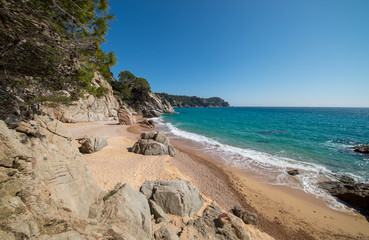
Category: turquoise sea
<point>271,140</point>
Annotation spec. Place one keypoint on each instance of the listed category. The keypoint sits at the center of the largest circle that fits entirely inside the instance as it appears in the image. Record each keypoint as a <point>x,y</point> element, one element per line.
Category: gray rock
<point>214,224</point>
<point>164,233</point>
<point>149,147</point>
<point>91,144</point>
<point>160,137</point>
<point>153,143</point>
<point>148,135</point>
<point>157,211</point>
<point>175,197</point>
<point>129,210</point>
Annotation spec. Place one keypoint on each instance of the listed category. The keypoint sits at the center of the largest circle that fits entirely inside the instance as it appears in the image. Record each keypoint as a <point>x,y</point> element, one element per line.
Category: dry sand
<point>283,213</point>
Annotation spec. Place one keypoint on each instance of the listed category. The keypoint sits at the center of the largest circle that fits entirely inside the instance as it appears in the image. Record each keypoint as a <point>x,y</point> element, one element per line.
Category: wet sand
<point>284,213</point>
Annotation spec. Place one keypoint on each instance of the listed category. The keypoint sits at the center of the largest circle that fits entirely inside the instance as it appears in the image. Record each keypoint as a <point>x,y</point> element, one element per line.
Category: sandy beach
<point>283,213</point>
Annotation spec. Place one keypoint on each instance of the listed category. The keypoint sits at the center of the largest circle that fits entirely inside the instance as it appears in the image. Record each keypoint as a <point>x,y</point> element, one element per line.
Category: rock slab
<point>180,198</point>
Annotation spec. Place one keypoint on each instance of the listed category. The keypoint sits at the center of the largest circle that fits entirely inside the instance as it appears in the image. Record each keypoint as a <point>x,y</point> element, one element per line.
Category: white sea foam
<point>270,166</point>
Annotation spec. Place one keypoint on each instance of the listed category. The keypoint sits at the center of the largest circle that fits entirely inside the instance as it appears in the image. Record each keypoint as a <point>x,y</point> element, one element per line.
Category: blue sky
<point>249,52</point>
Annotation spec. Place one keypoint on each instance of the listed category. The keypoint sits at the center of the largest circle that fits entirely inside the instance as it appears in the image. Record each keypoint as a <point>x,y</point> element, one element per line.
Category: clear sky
<point>249,52</point>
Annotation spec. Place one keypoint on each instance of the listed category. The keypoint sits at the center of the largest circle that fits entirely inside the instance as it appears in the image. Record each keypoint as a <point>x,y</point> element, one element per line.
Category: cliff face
<point>89,108</point>
<point>153,106</point>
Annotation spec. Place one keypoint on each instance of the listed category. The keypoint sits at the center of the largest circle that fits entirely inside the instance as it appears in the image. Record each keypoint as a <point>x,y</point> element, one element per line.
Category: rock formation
<point>125,117</point>
<point>361,149</point>
<point>153,143</point>
<point>247,217</point>
<point>153,106</point>
<point>91,144</point>
<point>355,194</point>
<point>215,224</point>
<point>175,197</point>
<point>147,123</point>
<point>89,108</point>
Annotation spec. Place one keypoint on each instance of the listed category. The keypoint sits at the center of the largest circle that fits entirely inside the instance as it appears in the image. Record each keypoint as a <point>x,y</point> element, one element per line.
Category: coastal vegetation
<point>179,101</point>
<point>129,88</point>
<point>54,45</point>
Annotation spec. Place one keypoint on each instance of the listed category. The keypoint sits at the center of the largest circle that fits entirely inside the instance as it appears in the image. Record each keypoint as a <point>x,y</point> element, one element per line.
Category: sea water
<point>271,140</point>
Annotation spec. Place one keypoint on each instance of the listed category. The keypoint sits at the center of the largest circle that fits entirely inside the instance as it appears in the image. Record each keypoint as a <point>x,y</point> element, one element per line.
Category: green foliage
<point>53,101</point>
<point>56,42</point>
<point>186,101</point>
<point>130,88</point>
<point>107,196</point>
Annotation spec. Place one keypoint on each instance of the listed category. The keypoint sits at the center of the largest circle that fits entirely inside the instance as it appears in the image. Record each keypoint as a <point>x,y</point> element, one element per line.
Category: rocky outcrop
<point>125,117</point>
<point>355,194</point>
<point>153,106</point>
<point>175,197</point>
<point>147,123</point>
<point>153,143</point>
<point>128,211</point>
<point>87,109</point>
<point>91,144</point>
<point>361,149</point>
<point>215,224</point>
<point>247,217</point>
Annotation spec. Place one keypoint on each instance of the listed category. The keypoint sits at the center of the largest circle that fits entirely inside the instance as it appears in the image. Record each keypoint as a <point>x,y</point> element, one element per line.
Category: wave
<point>274,168</point>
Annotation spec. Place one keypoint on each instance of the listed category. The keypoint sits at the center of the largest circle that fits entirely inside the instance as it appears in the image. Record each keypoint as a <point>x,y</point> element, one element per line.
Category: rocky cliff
<point>153,106</point>
<point>88,108</point>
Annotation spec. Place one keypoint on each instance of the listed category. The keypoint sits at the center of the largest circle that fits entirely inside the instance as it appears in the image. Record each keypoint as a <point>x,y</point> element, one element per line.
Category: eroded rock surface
<point>125,117</point>
<point>215,224</point>
<point>175,197</point>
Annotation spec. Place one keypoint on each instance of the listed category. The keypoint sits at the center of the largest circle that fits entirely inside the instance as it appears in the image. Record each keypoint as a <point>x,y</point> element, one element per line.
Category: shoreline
<point>284,213</point>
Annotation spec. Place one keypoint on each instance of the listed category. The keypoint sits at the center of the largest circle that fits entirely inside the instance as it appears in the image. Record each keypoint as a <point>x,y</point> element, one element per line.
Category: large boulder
<point>153,143</point>
<point>91,144</point>
<point>355,194</point>
<point>175,197</point>
<point>149,147</point>
<point>125,117</point>
<point>128,210</point>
